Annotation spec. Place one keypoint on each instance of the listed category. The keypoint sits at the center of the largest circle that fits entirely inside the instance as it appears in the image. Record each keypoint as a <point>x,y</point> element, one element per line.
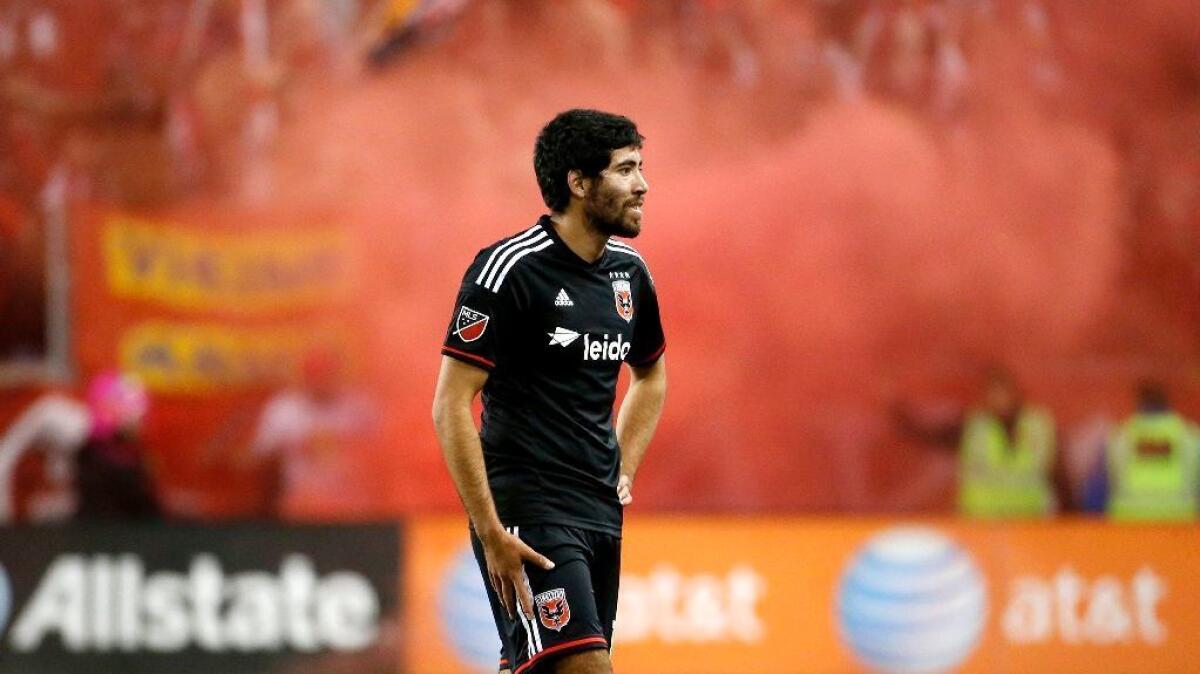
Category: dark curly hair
<point>580,140</point>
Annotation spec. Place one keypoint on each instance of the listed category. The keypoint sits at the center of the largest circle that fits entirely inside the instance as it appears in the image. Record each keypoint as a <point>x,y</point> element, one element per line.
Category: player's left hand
<point>625,490</point>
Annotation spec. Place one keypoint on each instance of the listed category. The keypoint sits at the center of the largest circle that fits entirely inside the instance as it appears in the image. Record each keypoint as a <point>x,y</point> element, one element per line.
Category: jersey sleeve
<point>473,336</point>
<point>649,342</point>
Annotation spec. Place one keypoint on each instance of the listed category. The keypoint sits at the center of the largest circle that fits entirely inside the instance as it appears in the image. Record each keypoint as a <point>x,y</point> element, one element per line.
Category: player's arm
<point>637,420</point>
<point>458,384</point>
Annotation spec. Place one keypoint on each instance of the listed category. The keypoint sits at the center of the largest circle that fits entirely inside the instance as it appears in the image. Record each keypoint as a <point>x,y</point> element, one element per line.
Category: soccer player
<point>543,321</point>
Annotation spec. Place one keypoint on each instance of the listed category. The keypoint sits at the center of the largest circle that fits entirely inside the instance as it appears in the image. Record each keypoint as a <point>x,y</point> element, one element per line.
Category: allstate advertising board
<point>723,595</point>
<point>253,598</point>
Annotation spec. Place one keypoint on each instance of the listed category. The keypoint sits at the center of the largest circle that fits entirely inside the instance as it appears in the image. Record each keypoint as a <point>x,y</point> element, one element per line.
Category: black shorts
<point>574,603</point>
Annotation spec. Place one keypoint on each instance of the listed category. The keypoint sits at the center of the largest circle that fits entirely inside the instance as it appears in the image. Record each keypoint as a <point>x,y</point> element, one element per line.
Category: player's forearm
<point>464,458</point>
<point>639,416</point>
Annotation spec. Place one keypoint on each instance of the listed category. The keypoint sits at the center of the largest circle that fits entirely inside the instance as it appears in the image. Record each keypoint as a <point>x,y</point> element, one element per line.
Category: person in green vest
<point>1152,462</point>
<point>1008,465</point>
<point>1006,455</point>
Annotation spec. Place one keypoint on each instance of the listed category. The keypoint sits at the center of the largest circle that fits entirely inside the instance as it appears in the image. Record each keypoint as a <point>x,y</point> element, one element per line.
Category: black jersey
<point>552,330</point>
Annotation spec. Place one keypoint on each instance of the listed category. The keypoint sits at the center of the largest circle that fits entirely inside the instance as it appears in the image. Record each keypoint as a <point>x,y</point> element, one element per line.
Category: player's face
<point>614,202</point>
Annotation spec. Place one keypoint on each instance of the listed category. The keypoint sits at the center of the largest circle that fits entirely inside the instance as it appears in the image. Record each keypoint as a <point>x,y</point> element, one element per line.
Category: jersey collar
<point>564,251</point>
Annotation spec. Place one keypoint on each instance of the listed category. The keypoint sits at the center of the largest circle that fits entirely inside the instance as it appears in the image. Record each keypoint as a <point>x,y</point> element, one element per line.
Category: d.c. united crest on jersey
<point>470,324</point>
<point>553,609</point>
<point>623,295</point>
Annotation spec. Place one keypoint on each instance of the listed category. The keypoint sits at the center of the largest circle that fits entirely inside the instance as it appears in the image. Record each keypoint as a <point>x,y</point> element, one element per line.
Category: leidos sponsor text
<point>595,349</point>
<point>99,603</point>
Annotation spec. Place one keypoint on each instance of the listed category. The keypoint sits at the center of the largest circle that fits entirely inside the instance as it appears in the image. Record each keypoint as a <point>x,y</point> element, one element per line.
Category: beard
<point>608,213</point>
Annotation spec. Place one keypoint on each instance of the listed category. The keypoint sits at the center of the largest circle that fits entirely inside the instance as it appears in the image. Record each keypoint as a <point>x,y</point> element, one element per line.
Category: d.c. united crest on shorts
<point>470,324</point>
<point>553,609</point>
<point>623,295</point>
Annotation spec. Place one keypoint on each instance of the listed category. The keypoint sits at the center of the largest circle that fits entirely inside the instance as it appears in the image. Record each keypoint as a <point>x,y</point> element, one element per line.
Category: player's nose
<point>641,186</point>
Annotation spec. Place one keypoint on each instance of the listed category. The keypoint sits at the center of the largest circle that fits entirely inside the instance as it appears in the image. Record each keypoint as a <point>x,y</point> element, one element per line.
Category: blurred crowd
<point>86,457</point>
<point>1013,461</point>
<point>146,103</point>
<point>159,101</point>
<point>156,99</point>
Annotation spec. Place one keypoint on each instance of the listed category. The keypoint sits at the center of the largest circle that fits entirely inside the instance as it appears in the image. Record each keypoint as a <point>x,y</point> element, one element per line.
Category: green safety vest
<point>1152,464</point>
<point>999,478</point>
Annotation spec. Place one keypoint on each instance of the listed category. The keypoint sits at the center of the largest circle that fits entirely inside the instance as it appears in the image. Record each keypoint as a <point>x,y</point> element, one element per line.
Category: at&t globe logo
<point>466,615</point>
<point>913,601</point>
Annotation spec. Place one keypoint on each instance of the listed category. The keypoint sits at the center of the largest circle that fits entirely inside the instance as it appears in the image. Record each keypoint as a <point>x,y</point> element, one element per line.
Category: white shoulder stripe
<point>621,248</point>
<point>506,255</point>
<point>516,258</point>
<point>624,248</point>
<point>501,248</point>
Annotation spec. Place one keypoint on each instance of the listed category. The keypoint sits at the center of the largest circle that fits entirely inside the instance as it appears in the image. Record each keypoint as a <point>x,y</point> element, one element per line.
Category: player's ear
<point>577,183</point>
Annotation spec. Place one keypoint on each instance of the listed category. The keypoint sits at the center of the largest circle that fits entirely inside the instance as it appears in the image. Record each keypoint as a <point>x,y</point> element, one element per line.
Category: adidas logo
<point>563,300</point>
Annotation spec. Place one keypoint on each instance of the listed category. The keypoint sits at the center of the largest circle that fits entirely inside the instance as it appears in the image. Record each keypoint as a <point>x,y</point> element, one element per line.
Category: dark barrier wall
<point>251,598</point>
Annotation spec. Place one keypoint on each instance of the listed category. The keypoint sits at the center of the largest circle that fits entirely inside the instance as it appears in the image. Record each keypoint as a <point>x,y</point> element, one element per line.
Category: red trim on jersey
<point>472,356</point>
<point>652,357</point>
<point>589,641</point>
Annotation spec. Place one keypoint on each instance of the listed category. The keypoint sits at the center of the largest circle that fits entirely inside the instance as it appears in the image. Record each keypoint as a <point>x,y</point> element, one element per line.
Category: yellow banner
<point>250,272</point>
<point>198,358</point>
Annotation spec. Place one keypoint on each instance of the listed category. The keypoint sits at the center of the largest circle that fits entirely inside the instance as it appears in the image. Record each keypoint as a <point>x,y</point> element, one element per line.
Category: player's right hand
<point>506,555</point>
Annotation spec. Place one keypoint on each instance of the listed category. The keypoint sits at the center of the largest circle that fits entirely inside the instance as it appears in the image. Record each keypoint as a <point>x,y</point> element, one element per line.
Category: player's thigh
<point>563,597</point>
<point>504,627</point>
<point>566,619</point>
<point>587,662</point>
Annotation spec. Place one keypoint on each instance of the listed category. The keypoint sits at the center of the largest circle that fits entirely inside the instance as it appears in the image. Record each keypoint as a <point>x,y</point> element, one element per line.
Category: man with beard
<point>543,321</point>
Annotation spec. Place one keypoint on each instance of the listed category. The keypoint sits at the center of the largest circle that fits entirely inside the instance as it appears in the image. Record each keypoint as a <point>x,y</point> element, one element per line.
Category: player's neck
<point>574,229</point>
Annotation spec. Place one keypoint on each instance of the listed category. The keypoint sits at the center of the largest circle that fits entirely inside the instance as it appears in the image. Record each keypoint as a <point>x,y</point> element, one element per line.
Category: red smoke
<point>806,249</point>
